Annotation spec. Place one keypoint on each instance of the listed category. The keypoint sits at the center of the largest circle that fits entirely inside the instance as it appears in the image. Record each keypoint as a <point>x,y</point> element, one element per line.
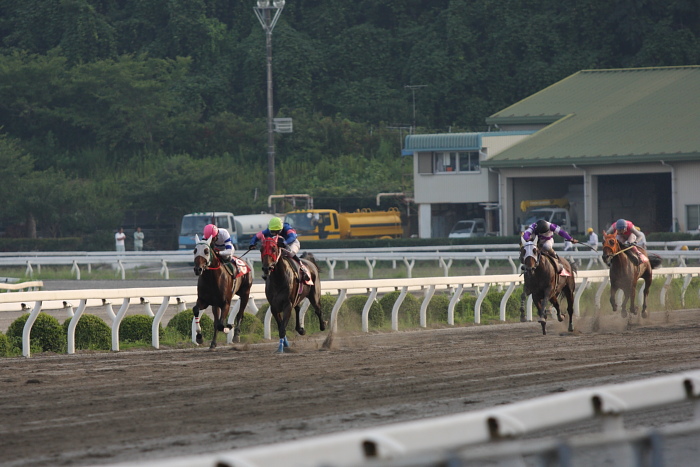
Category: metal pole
<point>270,130</point>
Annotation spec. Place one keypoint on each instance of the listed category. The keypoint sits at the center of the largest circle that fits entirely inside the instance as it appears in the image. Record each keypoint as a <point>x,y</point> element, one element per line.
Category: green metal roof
<point>443,142</point>
<point>608,117</point>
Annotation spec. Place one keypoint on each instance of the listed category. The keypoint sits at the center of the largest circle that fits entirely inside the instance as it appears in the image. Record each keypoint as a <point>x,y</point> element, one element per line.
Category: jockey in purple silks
<point>545,238</point>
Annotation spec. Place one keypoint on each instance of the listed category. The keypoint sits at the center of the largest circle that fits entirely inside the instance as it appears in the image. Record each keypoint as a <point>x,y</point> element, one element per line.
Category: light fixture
<point>278,3</point>
<point>263,3</point>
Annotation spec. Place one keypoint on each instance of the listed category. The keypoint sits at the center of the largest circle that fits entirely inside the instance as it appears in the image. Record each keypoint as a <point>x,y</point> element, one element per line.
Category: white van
<point>194,223</point>
<point>250,224</point>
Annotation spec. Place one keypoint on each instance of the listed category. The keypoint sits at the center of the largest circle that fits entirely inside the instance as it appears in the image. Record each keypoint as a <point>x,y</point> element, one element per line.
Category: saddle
<point>300,268</point>
<point>236,267</point>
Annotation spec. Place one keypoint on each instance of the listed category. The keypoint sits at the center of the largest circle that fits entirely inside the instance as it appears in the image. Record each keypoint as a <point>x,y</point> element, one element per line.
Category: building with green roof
<point>620,143</point>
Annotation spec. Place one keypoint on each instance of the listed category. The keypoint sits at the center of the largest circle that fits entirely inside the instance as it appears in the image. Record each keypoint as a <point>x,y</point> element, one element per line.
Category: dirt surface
<point>104,408</point>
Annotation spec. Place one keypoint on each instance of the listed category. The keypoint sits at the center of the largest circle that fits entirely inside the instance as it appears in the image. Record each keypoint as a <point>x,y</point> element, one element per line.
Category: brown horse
<point>545,284</point>
<point>624,273</point>
<point>216,287</point>
<point>285,290</point>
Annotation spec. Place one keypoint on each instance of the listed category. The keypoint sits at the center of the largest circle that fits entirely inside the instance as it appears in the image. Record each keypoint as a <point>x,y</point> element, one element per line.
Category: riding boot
<point>304,274</point>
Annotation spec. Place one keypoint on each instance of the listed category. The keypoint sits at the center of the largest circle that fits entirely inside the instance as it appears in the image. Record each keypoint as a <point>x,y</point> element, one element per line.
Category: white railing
<point>180,296</point>
<point>482,255</point>
<point>409,440</point>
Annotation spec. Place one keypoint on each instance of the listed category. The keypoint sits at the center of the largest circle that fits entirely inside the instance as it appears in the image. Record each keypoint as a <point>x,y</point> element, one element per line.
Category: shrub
<point>250,324</point>
<point>437,309</point>
<point>137,328</point>
<point>408,311</point>
<point>182,323</point>
<point>6,348</point>
<point>464,309</point>
<point>494,298</point>
<point>91,333</point>
<point>352,309</point>
<point>47,334</point>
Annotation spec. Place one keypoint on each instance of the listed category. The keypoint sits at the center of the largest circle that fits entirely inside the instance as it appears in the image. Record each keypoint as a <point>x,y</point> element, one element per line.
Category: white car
<point>468,229</point>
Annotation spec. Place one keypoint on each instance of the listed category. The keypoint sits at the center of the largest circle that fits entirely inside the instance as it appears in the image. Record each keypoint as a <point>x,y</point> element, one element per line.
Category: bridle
<point>270,249</point>
<point>530,251</point>
<point>204,250</point>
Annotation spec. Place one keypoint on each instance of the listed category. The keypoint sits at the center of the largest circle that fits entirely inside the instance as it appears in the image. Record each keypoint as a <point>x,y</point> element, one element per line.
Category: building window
<point>692,215</point>
<point>465,161</point>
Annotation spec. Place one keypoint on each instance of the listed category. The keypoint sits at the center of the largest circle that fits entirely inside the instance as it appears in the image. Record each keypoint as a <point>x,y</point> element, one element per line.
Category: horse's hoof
<point>301,331</point>
<point>571,328</point>
<point>280,349</point>
<point>199,339</point>
<point>236,339</point>
<point>560,318</point>
<point>544,328</point>
<point>324,324</point>
<point>226,330</point>
<point>523,318</point>
<point>645,314</point>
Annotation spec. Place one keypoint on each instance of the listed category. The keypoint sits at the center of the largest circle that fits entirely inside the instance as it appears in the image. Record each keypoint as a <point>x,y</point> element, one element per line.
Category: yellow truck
<point>322,224</point>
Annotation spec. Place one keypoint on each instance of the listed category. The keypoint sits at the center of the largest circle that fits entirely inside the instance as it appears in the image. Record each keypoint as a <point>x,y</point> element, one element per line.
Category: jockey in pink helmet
<point>220,241</point>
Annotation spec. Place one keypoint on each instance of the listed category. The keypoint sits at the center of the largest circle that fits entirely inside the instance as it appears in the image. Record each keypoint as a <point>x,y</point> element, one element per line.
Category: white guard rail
<point>409,440</point>
<point>445,256</point>
<point>180,296</point>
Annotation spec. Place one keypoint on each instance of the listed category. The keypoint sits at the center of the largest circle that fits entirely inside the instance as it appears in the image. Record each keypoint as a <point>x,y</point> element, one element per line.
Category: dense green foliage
<point>91,333</point>
<point>136,112</point>
<point>182,323</point>
<point>137,328</point>
<point>47,334</point>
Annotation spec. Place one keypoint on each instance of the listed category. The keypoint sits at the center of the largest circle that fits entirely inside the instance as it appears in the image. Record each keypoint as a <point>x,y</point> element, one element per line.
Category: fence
<point>180,296</point>
<point>481,255</point>
<point>445,440</point>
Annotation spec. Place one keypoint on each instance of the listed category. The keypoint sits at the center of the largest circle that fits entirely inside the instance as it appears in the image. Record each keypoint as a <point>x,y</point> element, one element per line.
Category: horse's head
<point>269,255</point>
<point>611,247</point>
<point>530,256</point>
<point>203,255</point>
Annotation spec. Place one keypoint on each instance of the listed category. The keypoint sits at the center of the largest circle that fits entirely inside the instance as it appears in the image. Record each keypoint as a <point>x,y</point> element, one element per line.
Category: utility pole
<point>413,88</point>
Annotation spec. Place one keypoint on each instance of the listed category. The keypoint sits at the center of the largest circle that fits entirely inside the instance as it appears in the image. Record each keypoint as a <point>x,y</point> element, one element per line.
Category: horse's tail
<point>654,260</point>
<point>310,256</point>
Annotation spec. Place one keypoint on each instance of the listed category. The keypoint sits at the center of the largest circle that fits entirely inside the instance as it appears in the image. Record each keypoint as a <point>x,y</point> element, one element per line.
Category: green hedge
<point>47,334</point>
<point>91,333</point>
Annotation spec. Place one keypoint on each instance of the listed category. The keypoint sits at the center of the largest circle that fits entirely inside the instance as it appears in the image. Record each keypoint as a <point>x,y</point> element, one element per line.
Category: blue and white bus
<point>193,224</point>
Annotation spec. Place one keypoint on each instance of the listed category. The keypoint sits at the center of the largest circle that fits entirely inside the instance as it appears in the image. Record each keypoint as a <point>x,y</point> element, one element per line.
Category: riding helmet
<point>621,224</point>
<point>210,230</point>
<point>542,226</point>
<point>275,224</point>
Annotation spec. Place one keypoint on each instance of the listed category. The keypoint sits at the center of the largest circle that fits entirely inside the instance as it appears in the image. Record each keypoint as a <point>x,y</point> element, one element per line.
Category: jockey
<point>628,235</point>
<point>220,241</point>
<point>291,243</point>
<point>545,238</point>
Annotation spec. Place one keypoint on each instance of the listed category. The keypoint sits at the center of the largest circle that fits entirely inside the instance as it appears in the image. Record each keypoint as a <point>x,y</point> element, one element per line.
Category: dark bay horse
<point>216,287</point>
<point>545,284</point>
<point>624,273</point>
<point>284,289</point>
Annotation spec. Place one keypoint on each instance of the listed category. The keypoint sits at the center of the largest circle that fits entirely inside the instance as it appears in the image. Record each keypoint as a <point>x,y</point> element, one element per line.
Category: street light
<point>268,12</point>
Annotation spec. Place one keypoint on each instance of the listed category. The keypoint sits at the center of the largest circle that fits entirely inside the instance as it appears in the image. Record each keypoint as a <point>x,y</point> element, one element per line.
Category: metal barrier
<point>447,440</point>
<point>180,296</point>
<point>481,255</point>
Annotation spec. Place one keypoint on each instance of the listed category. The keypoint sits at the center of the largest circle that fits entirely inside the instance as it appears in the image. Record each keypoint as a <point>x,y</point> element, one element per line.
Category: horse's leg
<point>300,330</point>
<point>569,293</point>
<point>555,303</point>
<point>196,310</point>
<point>540,302</point>
<point>217,325</point>
<point>282,318</point>
<point>613,294</point>
<point>315,300</point>
<point>523,299</point>
<point>647,285</point>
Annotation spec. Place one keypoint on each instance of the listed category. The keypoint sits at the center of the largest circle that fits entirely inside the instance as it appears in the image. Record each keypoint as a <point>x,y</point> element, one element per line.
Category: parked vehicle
<point>250,224</point>
<point>193,224</point>
<point>321,224</point>
<point>557,211</point>
<point>469,229</point>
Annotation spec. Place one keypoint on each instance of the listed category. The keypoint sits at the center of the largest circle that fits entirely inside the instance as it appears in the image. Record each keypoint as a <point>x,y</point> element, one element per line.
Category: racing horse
<point>624,273</point>
<point>285,290</point>
<point>216,286</point>
<point>545,284</point>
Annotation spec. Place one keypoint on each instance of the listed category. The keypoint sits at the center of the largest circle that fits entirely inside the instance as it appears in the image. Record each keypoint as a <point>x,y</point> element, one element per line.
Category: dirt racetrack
<point>104,408</point>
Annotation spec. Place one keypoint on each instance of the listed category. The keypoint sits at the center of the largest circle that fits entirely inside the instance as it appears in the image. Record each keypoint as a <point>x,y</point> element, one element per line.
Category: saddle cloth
<point>240,268</point>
